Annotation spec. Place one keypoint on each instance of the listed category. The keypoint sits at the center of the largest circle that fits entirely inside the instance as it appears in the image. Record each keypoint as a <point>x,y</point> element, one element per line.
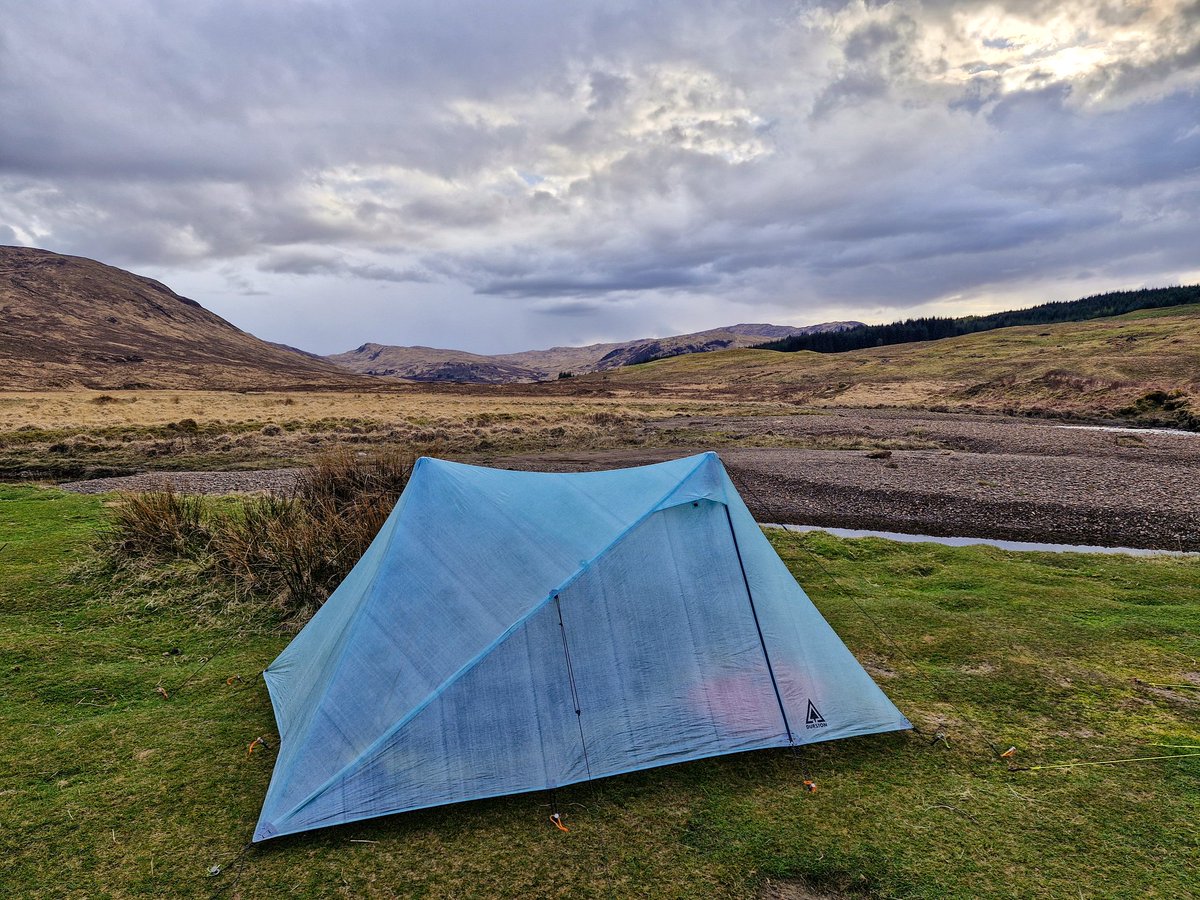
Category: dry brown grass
<point>416,407</point>
<point>158,525</point>
<point>69,435</point>
<point>289,549</point>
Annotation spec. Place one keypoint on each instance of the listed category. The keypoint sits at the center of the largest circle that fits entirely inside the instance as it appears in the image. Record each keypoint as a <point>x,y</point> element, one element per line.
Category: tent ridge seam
<point>351,766</point>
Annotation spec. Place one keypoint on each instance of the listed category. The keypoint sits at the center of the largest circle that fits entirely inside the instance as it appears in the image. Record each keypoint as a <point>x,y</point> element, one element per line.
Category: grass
<point>1141,369</point>
<point>109,790</point>
<point>69,435</point>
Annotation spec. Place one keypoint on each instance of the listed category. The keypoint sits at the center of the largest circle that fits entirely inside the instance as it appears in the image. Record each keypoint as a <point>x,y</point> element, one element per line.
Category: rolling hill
<point>935,328</point>
<point>432,364</point>
<point>1143,367</point>
<point>69,322</point>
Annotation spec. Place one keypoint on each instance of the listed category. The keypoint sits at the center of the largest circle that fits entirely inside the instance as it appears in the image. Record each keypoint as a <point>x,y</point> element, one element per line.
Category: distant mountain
<point>69,322</point>
<point>431,364</point>
<point>290,349</point>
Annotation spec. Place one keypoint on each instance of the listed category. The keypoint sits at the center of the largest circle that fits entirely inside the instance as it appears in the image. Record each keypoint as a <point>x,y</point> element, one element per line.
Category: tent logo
<point>814,719</point>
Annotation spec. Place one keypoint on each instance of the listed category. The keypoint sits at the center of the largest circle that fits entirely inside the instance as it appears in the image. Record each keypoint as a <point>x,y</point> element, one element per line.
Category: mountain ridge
<point>431,364</point>
<point>73,322</point>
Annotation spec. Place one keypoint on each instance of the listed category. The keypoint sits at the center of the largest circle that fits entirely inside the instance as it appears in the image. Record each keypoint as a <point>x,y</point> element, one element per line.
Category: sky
<point>498,177</point>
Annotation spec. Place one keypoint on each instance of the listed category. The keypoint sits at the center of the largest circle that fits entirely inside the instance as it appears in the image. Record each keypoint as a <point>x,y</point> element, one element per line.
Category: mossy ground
<point>109,790</point>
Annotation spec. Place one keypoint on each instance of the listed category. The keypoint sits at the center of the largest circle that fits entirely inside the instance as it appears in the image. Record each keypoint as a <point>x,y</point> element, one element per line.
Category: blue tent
<point>516,631</point>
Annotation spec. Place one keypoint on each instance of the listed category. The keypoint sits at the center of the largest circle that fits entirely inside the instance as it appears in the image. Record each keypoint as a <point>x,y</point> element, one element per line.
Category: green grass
<point>109,790</point>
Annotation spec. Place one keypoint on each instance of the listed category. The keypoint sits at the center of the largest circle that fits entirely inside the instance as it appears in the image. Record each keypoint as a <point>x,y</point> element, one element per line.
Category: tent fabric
<point>517,631</point>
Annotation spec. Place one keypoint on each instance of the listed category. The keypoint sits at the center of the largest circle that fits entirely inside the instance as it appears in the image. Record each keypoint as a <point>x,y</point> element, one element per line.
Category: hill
<point>432,364</point>
<point>1142,366</point>
<point>936,328</point>
<point>69,322</point>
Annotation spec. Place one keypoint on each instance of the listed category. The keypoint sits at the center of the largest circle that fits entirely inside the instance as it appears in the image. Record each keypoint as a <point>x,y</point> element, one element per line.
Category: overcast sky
<point>500,176</point>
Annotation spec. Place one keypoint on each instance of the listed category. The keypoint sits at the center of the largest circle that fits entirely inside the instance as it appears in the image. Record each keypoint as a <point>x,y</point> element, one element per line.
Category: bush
<point>292,549</point>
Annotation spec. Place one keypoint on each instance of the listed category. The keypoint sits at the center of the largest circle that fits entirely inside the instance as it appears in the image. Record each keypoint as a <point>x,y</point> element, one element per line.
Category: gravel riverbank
<point>257,481</point>
<point>1018,479</point>
<point>974,476</point>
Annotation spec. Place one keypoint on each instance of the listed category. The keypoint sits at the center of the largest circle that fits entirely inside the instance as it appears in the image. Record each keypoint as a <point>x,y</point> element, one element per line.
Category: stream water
<point>990,542</point>
<point>1121,429</point>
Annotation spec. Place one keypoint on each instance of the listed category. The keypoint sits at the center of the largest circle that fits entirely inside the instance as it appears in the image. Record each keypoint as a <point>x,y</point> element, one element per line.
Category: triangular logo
<point>814,719</point>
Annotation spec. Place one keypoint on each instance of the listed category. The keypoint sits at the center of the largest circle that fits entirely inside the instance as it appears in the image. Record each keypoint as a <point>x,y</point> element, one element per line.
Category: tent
<point>517,631</point>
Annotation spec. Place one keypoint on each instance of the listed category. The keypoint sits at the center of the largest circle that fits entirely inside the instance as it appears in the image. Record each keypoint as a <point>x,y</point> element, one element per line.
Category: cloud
<point>571,308</point>
<point>324,263</point>
<point>565,285</point>
<point>589,166</point>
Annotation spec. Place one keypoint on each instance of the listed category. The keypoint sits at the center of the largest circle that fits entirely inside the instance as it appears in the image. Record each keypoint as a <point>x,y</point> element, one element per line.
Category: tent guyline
<point>494,604</point>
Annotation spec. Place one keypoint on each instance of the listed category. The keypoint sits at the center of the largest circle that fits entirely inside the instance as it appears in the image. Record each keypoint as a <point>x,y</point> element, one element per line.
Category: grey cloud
<point>1126,78</point>
<point>299,263</point>
<point>868,40</point>
<point>607,90</point>
<point>605,282</point>
<point>316,263</point>
<point>240,283</point>
<point>570,308</point>
<point>593,165</point>
<point>877,55</point>
<point>853,87</point>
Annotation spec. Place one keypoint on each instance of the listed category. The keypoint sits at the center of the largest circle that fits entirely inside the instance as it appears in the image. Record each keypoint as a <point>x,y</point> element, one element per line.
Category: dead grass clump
<point>158,525</point>
<point>345,479</point>
<point>288,549</point>
<point>272,547</point>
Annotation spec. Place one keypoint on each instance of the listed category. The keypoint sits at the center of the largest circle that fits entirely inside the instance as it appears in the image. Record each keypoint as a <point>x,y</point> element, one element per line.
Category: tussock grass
<point>107,789</point>
<point>289,549</point>
<point>158,525</point>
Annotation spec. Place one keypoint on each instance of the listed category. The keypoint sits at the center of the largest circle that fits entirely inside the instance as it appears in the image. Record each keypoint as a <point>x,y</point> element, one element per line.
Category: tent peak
<point>676,461</point>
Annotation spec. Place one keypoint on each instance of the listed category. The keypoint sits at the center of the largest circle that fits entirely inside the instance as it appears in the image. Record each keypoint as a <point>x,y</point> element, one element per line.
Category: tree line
<point>933,328</point>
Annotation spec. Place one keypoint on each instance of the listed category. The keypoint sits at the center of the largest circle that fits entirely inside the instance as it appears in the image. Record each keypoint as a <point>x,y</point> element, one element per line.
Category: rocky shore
<point>972,476</point>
